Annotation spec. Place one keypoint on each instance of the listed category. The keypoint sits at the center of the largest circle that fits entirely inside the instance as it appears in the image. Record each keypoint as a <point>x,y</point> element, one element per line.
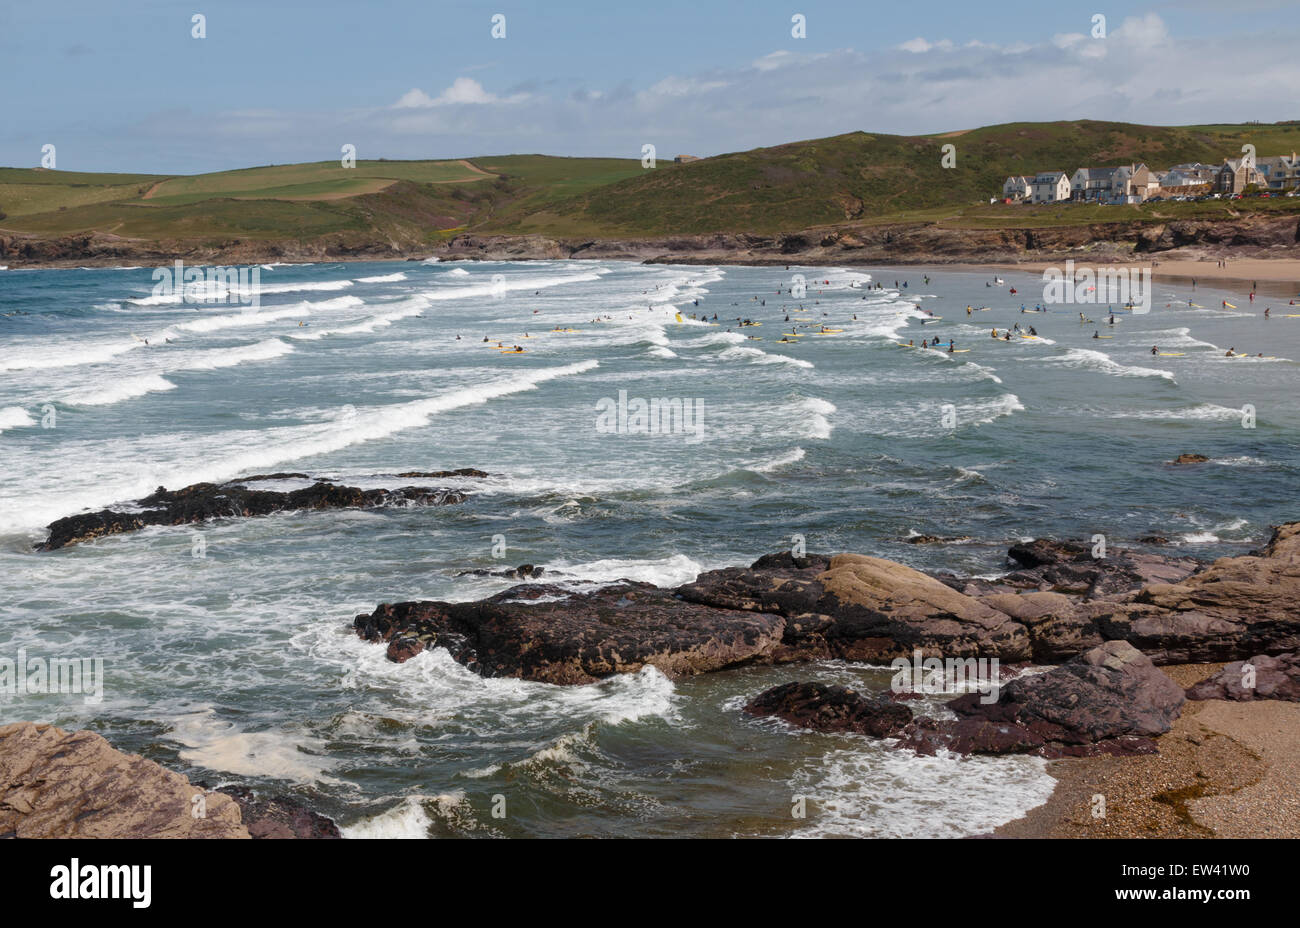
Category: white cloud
<point>463,90</point>
<point>919,45</point>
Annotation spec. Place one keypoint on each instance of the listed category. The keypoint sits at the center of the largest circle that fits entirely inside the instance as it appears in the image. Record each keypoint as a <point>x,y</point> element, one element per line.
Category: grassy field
<point>854,179</point>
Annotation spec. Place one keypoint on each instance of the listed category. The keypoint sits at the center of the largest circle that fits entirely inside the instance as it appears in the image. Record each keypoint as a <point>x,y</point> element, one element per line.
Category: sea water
<point>240,665</point>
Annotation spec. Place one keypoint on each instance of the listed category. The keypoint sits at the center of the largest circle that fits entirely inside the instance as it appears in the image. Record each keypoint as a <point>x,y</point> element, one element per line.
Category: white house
<point>1090,184</point>
<point>1016,188</point>
<point>1050,187</point>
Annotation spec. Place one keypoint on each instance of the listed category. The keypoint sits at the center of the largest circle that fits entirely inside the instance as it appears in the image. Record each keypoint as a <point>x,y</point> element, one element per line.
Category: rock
<point>202,502</point>
<point>862,608</point>
<point>522,572</point>
<point>279,816</point>
<point>441,474</point>
<point>1233,609</point>
<point>1069,567</point>
<point>1274,678</point>
<point>831,708</point>
<point>59,785</point>
<point>936,539</point>
<point>1110,699</point>
<point>1189,459</point>
<point>577,637</point>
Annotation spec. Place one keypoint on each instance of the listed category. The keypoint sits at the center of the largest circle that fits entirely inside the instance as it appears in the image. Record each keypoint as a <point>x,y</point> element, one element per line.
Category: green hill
<point>854,179</point>
<point>864,178</point>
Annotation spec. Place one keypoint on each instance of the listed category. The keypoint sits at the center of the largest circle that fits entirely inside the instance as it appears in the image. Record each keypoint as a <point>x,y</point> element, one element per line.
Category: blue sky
<point>123,86</point>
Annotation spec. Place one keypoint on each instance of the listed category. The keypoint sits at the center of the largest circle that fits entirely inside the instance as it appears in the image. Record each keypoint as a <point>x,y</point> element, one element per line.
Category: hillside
<point>384,208</point>
<point>866,178</point>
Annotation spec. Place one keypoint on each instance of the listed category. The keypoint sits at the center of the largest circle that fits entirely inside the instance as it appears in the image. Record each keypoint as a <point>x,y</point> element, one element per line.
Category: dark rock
<point>279,816</point>
<point>440,474</point>
<point>1274,678</point>
<point>936,539</point>
<point>1111,699</point>
<point>1189,459</point>
<point>862,608</point>
<point>580,637</point>
<point>522,572</point>
<point>831,708</point>
<point>202,502</point>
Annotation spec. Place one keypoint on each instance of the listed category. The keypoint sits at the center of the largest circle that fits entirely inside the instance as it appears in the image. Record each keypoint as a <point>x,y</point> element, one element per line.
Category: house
<point>1189,174</point>
<point>1016,188</point>
<point>683,159</point>
<point>1050,187</point>
<point>1090,184</point>
<point>1132,183</point>
<point>1236,175</point>
<point>1280,172</point>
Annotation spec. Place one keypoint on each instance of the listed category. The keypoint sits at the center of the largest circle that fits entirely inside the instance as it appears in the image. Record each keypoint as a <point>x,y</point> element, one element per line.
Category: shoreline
<point>1224,770</point>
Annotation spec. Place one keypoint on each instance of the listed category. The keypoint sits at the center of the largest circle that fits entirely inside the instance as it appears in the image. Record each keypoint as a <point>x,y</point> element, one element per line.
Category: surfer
<point>1096,334</point>
<point>1155,349</point>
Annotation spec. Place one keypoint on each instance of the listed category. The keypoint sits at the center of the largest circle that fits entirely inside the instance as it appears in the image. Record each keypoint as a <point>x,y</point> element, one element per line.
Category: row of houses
<point>1136,183</point>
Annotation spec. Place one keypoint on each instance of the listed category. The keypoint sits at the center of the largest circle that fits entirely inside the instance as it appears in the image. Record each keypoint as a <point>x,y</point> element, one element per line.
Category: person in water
<point>1096,334</point>
<point>1007,337</point>
<point>1155,349</point>
<point>1032,330</point>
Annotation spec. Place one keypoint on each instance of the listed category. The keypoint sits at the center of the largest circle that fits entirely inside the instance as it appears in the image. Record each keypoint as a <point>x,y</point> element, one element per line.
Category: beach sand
<point>1225,770</point>
<point>1273,277</point>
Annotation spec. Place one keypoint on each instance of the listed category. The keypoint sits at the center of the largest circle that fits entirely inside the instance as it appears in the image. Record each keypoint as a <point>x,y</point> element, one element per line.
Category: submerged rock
<point>202,502</point>
<point>279,816</point>
<point>1190,459</point>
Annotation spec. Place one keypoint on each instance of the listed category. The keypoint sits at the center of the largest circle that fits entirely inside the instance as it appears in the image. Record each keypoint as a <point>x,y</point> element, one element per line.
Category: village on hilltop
<point>1136,183</point>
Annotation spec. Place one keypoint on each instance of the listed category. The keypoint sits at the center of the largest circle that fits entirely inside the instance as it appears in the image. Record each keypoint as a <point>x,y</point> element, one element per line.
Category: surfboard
<point>1229,305</point>
<point>1171,354</point>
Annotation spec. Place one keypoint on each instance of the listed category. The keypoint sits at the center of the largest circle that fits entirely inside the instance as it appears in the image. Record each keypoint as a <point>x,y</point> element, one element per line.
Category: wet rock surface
<point>1110,699</point>
<point>831,708</point>
<point>1058,603</point>
<point>203,502</point>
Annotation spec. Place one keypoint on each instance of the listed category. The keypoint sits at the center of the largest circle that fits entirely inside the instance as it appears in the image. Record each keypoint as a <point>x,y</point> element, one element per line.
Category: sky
<point>123,85</point>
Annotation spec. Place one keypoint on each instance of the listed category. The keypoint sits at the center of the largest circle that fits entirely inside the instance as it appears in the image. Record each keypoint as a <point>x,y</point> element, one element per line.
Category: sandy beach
<point>1225,770</point>
<point>1268,276</point>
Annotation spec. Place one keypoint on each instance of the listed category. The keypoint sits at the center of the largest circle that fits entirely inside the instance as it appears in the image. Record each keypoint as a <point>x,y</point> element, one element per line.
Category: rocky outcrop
<point>1059,603</point>
<point>1110,698</point>
<point>547,633</point>
<point>202,502</point>
<point>54,784</point>
<point>856,607</point>
<point>1190,459</point>
<point>1261,677</point>
<point>831,708</point>
<point>1232,609</point>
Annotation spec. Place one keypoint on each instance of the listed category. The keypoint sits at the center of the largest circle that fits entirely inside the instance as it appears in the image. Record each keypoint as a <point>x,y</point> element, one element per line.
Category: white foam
<point>119,389</point>
<point>382,279</point>
<point>406,820</point>
<point>220,745</point>
<point>215,457</point>
<point>1087,359</point>
<point>15,417</point>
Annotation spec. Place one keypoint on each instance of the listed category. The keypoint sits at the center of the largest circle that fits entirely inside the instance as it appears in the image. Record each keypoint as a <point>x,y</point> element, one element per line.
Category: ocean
<point>240,665</point>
